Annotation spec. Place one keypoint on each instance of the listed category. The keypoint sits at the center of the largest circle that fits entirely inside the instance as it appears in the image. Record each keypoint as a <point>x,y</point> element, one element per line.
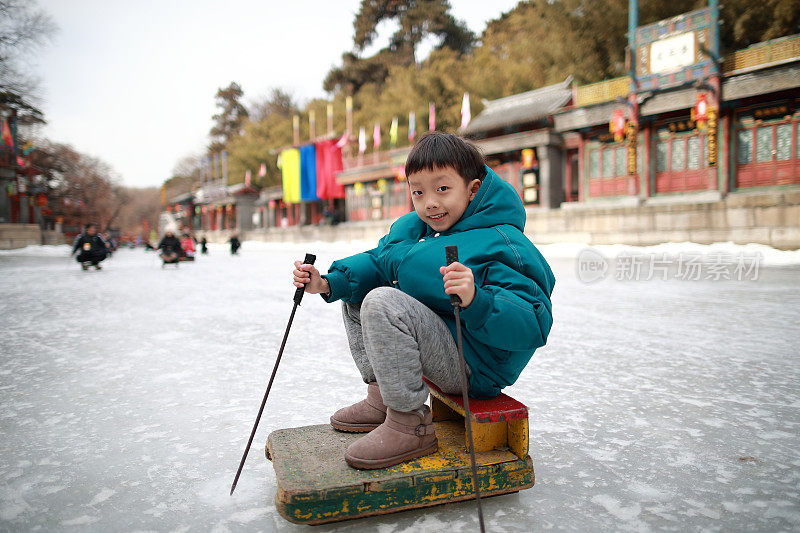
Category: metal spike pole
<point>298,297</point>
<point>451,253</point>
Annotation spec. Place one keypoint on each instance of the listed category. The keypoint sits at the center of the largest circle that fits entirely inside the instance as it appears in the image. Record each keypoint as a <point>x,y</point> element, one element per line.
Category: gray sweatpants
<point>395,340</point>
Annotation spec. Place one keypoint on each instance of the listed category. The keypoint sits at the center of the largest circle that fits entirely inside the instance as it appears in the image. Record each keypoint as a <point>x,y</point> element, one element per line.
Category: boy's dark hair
<point>90,225</point>
<point>437,150</point>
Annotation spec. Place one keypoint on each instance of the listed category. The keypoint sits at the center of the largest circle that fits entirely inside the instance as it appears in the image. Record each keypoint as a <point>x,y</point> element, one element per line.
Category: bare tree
<point>23,28</point>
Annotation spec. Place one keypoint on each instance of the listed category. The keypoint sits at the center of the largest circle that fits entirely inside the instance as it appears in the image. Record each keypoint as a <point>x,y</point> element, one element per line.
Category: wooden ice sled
<point>316,486</point>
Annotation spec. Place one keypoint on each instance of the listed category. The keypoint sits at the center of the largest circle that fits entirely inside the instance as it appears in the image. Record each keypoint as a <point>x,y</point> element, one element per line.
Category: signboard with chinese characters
<point>672,53</point>
<point>676,51</point>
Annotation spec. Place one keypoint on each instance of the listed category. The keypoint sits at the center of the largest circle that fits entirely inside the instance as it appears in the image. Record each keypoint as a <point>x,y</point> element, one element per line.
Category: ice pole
<point>298,297</point>
<point>451,256</point>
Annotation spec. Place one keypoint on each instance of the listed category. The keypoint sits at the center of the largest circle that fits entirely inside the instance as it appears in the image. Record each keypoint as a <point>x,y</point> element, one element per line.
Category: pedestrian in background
<point>93,248</point>
<point>235,244</point>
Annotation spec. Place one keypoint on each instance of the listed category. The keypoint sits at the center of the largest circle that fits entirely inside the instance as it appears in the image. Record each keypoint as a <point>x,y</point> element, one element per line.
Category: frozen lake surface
<point>127,396</point>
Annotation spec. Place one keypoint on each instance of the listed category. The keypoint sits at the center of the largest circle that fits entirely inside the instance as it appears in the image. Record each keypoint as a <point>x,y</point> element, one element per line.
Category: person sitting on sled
<point>170,248</point>
<point>187,245</point>
<point>93,248</point>
<point>396,305</point>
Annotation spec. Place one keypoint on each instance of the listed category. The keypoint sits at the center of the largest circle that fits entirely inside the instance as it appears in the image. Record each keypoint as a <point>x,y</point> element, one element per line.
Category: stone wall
<point>771,218</point>
<point>19,235</point>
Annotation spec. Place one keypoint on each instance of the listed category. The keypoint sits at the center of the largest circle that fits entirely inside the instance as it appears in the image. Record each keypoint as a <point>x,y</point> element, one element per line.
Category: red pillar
<point>645,172</point>
<point>581,168</point>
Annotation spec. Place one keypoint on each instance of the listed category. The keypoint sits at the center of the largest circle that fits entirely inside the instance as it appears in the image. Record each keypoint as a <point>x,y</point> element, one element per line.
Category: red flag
<point>263,170</point>
<point>6,134</point>
<point>329,162</point>
<point>342,142</point>
<point>376,136</point>
<point>247,179</point>
<point>431,116</point>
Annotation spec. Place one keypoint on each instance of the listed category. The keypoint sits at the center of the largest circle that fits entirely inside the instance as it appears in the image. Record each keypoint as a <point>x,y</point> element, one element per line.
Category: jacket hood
<point>497,202</point>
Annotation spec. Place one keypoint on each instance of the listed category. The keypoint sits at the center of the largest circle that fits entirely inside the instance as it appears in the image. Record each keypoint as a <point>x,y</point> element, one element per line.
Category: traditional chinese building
<point>517,138</point>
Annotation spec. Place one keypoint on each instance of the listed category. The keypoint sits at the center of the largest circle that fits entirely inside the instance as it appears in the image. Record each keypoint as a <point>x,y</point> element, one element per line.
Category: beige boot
<point>404,436</point>
<point>363,416</point>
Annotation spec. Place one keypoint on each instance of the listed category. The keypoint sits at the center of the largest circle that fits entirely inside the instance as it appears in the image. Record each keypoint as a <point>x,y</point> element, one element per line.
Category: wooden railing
<point>752,57</point>
<point>602,91</point>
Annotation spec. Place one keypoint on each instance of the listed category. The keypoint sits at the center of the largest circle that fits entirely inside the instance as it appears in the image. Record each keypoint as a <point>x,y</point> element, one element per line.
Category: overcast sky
<point>133,82</point>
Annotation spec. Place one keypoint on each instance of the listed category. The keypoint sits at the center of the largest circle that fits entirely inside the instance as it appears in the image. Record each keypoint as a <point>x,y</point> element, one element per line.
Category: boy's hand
<point>308,275</point>
<point>458,279</point>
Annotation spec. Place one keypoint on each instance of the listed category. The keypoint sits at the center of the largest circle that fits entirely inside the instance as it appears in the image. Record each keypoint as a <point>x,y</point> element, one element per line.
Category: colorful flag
<point>6,134</point>
<point>393,133</point>
<point>362,140</point>
<point>27,148</point>
<point>329,162</point>
<point>290,171</point>
<point>263,170</point>
<point>412,126</point>
<point>431,116</point>
<point>376,136</point>
<point>247,178</point>
<point>308,173</point>
<point>466,115</point>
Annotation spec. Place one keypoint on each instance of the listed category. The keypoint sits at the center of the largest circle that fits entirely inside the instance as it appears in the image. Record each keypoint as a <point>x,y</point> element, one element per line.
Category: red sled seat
<point>499,423</point>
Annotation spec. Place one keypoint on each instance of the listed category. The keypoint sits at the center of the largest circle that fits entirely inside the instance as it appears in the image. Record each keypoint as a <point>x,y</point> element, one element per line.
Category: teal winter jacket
<point>511,313</point>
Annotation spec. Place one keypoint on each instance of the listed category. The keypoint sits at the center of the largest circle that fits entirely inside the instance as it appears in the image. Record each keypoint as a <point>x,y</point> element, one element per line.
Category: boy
<point>93,248</point>
<point>397,312</point>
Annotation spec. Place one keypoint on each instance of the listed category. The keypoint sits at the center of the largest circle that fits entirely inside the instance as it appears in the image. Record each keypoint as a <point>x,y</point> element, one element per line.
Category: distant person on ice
<point>170,248</point>
<point>235,244</point>
<point>203,245</point>
<point>187,246</point>
<point>396,306</point>
<point>92,248</point>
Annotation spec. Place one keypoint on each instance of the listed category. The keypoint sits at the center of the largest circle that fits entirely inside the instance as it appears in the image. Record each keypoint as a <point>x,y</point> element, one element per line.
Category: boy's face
<point>440,196</point>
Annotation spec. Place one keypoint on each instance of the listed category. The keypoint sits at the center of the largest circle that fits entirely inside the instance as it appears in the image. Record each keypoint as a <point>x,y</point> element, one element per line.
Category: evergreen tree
<point>416,19</point>
<point>231,117</point>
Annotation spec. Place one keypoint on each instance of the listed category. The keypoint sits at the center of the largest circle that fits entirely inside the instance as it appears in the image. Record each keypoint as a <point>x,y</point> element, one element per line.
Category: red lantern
<point>41,200</point>
<point>617,125</point>
<point>700,111</point>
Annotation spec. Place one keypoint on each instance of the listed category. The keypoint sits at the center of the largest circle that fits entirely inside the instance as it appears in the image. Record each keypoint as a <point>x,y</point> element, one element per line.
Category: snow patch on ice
<point>40,250</point>
<point>248,515</point>
<point>102,496</point>
<point>647,492</point>
<point>80,521</point>
<point>614,507</point>
<point>432,523</point>
<point>12,509</point>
